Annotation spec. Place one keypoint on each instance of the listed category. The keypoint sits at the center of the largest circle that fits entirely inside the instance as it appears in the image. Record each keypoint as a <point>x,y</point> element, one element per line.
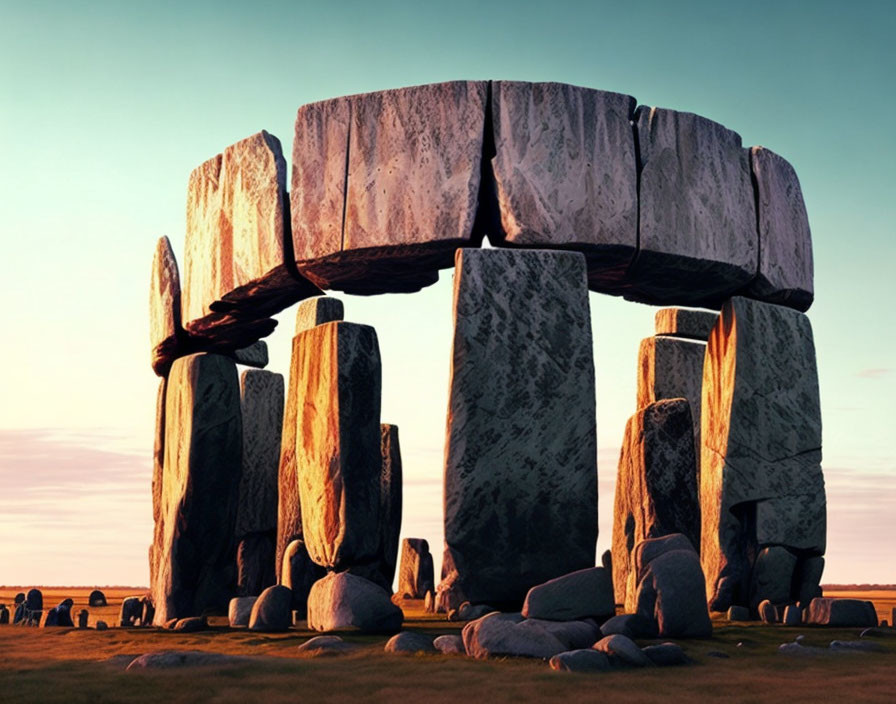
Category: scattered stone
<point>739,613</point>
<point>450,645</point>
<point>34,600</point>
<point>410,642</point>
<point>415,575</point>
<point>4,615</point>
<point>499,634</point>
<point>717,654</point>
<point>860,646</point>
<point>666,654</point>
<point>102,626</point>
<point>131,612</point>
<point>573,634</point>
<point>191,624</point>
<point>585,660</point>
<point>508,431</point>
<point>324,645</point>
<point>582,594</point>
<point>793,615</point>
<point>170,624</point>
<point>273,610</point>
<point>429,602</point>
<point>239,611</point>
<point>630,625</point>
<point>882,632</point>
<point>797,650</point>
<point>96,599</point>
<point>624,649</point>
<point>656,485</point>
<point>318,310</point>
<point>168,659</point>
<point>59,615</point>
<point>683,322</point>
<point>343,600</point>
<point>165,332</point>
<point>767,612</point>
<point>470,612</point>
<point>255,355</point>
<point>827,611</point>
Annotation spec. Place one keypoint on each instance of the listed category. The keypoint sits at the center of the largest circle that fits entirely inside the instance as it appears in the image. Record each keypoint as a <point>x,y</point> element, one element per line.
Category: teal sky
<point>105,108</point>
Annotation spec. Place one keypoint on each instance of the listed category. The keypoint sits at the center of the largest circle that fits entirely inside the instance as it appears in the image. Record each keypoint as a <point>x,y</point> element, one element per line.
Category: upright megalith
<point>390,504</point>
<point>520,455</point>
<point>685,322</point>
<point>338,457</point>
<point>761,482</point>
<point>415,575</point>
<point>656,487</point>
<point>310,313</point>
<point>165,332</point>
<point>261,404</point>
<point>158,463</point>
<point>194,552</point>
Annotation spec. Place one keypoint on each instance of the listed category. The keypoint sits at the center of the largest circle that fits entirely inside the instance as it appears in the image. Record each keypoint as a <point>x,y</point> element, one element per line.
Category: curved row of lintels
<point>667,207</point>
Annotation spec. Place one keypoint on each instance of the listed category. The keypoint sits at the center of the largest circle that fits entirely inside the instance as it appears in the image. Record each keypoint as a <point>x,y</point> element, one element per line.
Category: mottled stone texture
<point>761,457</point>
<point>415,575</point>
<point>682,322</point>
<point>772,576</point>
<point>255,355</point>
<point>697,218</point>
<point>165,329</point>
<point>200,485</point>
<point>158,463</point>
<point>671,368</point>
<point>317,311</point>
<point>565,173</point>
<point>390,503</point>
<point>338,457</point>
<point>786,269</point>
<point>656,487</point>
<point>289,508</point>
<point>255,563</point>
<point>520,466</point>
<point>386,185</point>
<point>344,601</point>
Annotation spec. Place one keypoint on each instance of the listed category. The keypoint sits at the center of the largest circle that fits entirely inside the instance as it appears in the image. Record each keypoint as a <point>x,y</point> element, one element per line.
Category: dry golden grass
<point>67,665</point>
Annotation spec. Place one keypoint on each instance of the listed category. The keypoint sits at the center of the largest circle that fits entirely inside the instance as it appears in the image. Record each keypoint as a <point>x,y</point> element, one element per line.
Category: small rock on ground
<point>450,645</point>
<point>587,660</point>
<point>623,649</point>
<point>409,642</point>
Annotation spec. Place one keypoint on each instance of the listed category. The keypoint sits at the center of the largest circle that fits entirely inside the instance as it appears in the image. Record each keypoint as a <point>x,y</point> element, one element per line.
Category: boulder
<point>131,612</point>
<point>684,322</point>
<point>239,611</point>
<point>415,575</point>
<point>767,612</point>
<point>191,624</point>
<point>776,497</point>
<point>521,404</point>
<point>168,659</point>
<point>666,654</point>
<point>565,173</point>
<point>195,566</point>
<point>166,336</point>
<point>338,456</point>
<point>623,650</point>
<point>793,615</point>
<point>255,355</point>
<point>470,612</point>
<point>499,634</point>
<point>316,311</point>
<point>697,216</point>
<point>147,610</point>
<point>324,645</point>
<point>656,485</point>
<point>785,242</point>
<point>582,594</point>
<point>586,660</point>
<point>385,186</point>
<point>450,645</point>
<point>772,576</point>
<point>102,626</point>
<point>826,611</point>
<point>342,600</point>
<point>96,599</point>
<point>34,600</point>
<point>630,625</point>
<point>272,611</point>
<point>410,642</point>
<point>299,573</point>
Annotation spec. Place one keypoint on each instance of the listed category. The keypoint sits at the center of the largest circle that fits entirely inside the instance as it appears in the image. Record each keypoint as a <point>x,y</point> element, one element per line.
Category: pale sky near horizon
<point>105,108</point>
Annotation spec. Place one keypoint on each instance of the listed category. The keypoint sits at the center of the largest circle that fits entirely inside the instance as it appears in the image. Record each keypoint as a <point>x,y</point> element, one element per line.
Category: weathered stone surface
<point>623,649</point>
<point>96,598</point>
<point>565,173</point>
<point>83,615</point>
<point>325,645</point>
<point>672,368</point>
<point>158,461</point>
<point>498,634</point>
<point>4,614</point>
<point>338,456</point>
<point>60,615</point>
<point>239,610</point>
<point>683,322</point>
<point>234,249</point>
<point>470,612</point>
<point>767,612</point>
<point>255,355</point>
<point>698,243</point>
<point>415,576</point>
<point>631,625</point>
<point>785,242</point>
<point>857,646</point>
<point>582,594</point>
<point>168,659</point>
<point>289,508</point>
<point>512,519</point>
<point>410,642</point>
<point>386,185</point>
<point>191,624</point>
<point>586,660</point>
<point>450,645</point>
<point>772,575</point>
<point>317,311</point>
<point>165,331</point>
<point>761,454</point>
<point>200,485</point>
<point>255,563</point>
<point>272,611</point>
<point>656,486</point>
<point>390,505</point>
<point>342,600</point>
<point>826,611</point>
<point>666,654</point>
<point>299,573</point>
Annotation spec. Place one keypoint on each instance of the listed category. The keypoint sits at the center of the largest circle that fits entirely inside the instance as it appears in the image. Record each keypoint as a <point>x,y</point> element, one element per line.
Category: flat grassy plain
<point>68,665</point>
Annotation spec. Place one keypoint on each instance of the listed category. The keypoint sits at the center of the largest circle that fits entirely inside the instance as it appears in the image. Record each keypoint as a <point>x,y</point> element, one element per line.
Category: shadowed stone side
<point>520,459</point>
<point>200,485</point>
<point>317,311</point>
<point>682,322</point>
<point>165,330</point>
<point>289,509</point>
<point>158,463</point>
<point>390,502</point>
<point>415,576</point>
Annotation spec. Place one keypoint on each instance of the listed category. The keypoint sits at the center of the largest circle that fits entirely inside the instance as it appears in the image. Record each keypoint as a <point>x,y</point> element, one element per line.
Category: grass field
<point>68,665</point>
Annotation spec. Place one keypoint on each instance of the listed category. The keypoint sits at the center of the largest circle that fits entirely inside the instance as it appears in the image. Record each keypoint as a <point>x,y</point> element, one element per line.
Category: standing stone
<point>785,242</point>
<point>200,487</point>
<point>520,467</point>
<point>130,612</point>
<point>96,598</point>
<point>239,611</point>
<point>255,355</point>
<point>82,618</point>
<point>682,322</point>
<point>158,462</point>
<point>271,611</point>
<point>773,575</point>
<point>390,503</point>
<point>4,615</point>
<point>697,218</point>
<point>656,488</point>
<point>261,403</point>
<point>415,577</point>
<point>793,615</point>
<point>565,173</point>
<point>386,185</point>
<point>317,311</point>
<point>299,573</point>
<point>761,480</point>
<point>165,332</point>
<point>338,455</point>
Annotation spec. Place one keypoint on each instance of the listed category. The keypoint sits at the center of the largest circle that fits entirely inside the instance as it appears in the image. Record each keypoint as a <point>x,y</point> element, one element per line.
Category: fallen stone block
<point>583,594</point>
<point>827,611</point>
<point>342,600</point>
<point>450,645</point>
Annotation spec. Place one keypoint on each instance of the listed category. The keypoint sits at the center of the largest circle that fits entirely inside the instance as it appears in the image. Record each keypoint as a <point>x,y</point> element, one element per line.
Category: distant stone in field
<point>521,405</point>
<point>82,618</point>
<point>102,626</point>
<point>583,594</point>
<point>131,612</point>
<point>666,654</point>
<point>767,612</point>
<point>623,649</point>
<point>449,645</point>
<point>299,573</point>
<point>793,615</point>
<point>272,611</point>
<point>415,575</point>
<point>584,660</point>
<point>191,624</point>
<point>148,612</point>
<point>410,642</point>
<point>343,600</point>
<point>826,611</point>
<point>96,599</point>
<point>4,614</point>
<point>429,602</point>
<point>255,355</point>
<point>34,600</point>
<point>683,322</point>
<point>169,659</point>
<point>318,310</point>
<point>606,560</point>
<point>738,613</point>
<point>165,332</point>
<point>239,610</point>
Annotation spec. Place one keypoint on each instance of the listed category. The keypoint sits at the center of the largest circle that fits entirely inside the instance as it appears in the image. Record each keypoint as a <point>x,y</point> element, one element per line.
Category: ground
<point>68,665</point>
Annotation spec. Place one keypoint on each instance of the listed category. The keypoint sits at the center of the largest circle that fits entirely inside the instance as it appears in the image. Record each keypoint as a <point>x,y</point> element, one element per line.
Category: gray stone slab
<point>255,355</point>
<point>520,467</point>
<point>682,322</point>
<point>164,308</point>
<point>415,575</point>
<point>566,174</point>
<point>317,311</point>
<point>761,441</point>
<point>698,243</point>
<point>390,502</point>
<point>786,268</point>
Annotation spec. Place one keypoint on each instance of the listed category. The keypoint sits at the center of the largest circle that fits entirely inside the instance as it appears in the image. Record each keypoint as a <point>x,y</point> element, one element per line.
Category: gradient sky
<point>105,108</point>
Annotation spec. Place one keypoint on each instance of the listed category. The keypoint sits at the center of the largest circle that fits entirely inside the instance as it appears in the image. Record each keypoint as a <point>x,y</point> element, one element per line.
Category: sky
<point>105,108</point>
